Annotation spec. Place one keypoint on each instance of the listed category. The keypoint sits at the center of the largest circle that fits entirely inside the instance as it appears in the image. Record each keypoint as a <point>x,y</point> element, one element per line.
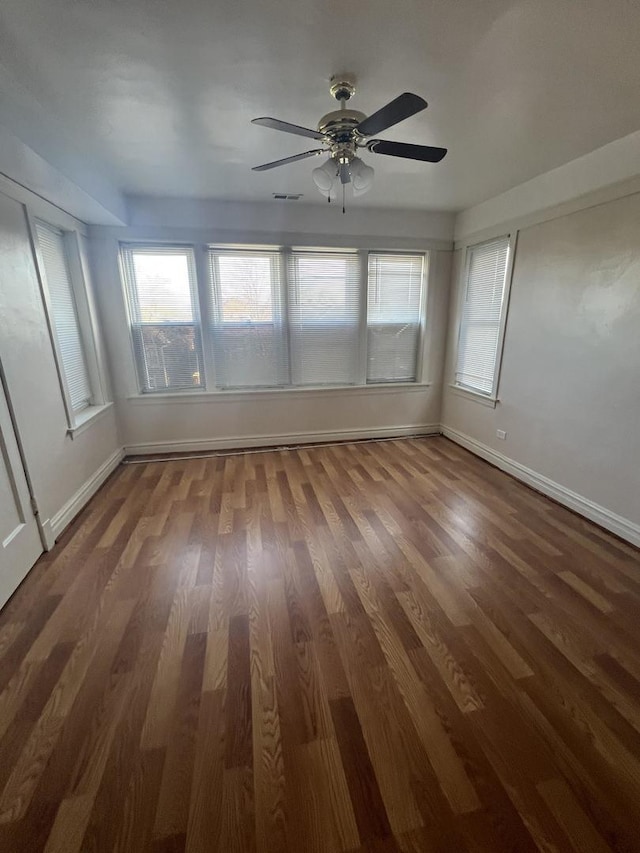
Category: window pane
<point>168,354</point>
<point>481,315</point>
<point>161,286</point>
<point>249,345</point>
<point>393,317</point>
<point>64,315</point>
<point>246,288</point>
<point>324,311</point>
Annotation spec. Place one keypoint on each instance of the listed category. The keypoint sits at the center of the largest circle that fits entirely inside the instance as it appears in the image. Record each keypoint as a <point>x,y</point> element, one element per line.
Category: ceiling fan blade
<point>285,160</point>
<point>426,153</point>
<point>276,124</point>
<point>402,107</point>
<point>345,174</point>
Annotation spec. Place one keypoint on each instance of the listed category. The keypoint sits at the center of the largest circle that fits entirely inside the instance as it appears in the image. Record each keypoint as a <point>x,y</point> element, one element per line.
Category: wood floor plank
<point>563,804</point>
<point>369,647</point>
<point>205,804</point>
<point>175,791</point>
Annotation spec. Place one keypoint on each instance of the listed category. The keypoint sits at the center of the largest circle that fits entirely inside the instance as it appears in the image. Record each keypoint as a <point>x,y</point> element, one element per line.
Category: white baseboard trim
<point>622,527</point>
<point>86,491</point>
<point>278,440</point>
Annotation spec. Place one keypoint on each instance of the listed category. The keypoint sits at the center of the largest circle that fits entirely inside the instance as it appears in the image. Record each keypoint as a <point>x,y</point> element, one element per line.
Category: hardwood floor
<point>368,647</point>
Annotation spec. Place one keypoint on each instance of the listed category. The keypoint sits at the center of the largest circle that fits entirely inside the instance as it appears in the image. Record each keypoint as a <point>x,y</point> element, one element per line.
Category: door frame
<point>31,504</point>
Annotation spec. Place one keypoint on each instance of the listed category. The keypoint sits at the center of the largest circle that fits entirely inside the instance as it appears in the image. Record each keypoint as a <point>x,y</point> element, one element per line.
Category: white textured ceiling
<point>158,94</point>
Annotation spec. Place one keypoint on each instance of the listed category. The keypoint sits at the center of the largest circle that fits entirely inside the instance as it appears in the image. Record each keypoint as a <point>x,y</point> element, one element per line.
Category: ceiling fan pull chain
<point>343,186</point>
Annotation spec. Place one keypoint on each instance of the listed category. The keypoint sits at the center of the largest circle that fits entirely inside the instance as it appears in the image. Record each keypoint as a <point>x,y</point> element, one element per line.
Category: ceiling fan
<point>344,131</point>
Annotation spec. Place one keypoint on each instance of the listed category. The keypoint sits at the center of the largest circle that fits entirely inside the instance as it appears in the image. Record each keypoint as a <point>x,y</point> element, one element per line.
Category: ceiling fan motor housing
<point>340,127</point>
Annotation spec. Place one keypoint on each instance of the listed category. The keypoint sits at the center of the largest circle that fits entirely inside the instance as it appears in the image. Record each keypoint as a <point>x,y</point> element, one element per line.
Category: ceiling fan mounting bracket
<point>342,88</point>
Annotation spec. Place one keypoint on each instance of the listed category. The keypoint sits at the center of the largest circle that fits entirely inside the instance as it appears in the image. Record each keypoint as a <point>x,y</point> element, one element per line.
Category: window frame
<point>360,260</point>
<point>209,291</point>
<point>77,420</point>
<point>209,388</point>
<point>422,317</point>
<point>490,398</point>
<point>199,306</point>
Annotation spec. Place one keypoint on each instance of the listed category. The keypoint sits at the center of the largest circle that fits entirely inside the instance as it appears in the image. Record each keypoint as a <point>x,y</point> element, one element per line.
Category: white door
<point>20,544</point>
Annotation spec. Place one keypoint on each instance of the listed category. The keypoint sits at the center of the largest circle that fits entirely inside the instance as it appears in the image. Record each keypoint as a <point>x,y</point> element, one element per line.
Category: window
<point>324,320</point>
<point>482,316</point>
<point>272,317</point>
<point>63,315</point>
<point>247,331</point>
<point>393,317</point>
<point>163,311</point>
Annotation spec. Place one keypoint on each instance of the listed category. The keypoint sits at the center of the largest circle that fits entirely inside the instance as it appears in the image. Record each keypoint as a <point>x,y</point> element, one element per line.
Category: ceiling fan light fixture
<point>361,176</point>
<point>325,175</point>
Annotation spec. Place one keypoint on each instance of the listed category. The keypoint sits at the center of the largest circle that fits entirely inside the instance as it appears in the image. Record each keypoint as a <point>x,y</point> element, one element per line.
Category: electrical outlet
<point>501,434</point>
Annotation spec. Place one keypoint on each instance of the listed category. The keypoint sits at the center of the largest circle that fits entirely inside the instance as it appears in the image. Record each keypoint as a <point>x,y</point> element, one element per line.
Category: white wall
<point>286,221</point>
<point>609,172</point>
<point>267,417</point>
<point>569,393</point>
<point>60,467</point>
<point>79,191</point>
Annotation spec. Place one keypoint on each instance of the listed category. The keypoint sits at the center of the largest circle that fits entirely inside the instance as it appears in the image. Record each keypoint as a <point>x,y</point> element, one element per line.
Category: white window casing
<point>247,319</point>
<point>69,346</point>
<point>394,315</point>
<point>164,316</point>
<point>483,306</point>
<point>324,317</point>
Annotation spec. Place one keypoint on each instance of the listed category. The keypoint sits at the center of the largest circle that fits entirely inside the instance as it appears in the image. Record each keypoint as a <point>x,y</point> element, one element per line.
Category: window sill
<point>476,396</point>
<point>86,418</point>
<point>254,394</point>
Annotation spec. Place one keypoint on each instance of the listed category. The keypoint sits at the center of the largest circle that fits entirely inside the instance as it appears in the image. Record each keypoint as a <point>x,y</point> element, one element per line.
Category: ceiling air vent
<point>288,196</point>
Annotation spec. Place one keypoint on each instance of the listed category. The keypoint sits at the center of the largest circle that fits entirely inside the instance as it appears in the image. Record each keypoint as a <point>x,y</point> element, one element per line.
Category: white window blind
<point>393,317</point>
<point>481,315</point>
<point>64,315</point>
<point>248,335</point>
<point>323,302</point>
<point>165,325</point>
